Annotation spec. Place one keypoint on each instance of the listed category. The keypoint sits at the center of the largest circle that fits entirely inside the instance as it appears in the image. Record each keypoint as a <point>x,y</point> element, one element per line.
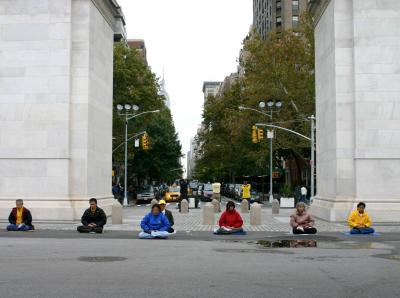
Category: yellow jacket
<point>356,219</point>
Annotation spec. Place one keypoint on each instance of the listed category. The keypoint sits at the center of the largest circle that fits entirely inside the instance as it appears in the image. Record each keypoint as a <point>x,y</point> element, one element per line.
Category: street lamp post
<point>273,106</point>
<point>124,110</point>
<point>312,159</point>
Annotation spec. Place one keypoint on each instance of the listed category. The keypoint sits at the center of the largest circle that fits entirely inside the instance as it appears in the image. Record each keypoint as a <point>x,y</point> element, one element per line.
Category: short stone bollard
<point>208,214</point>
<point>275,206</point>
<point>116,216</point>
<point>216,205</point>
<point>244,206</point>
<point>153,202</point>
<point>184,206</point>
<point>255,214</point>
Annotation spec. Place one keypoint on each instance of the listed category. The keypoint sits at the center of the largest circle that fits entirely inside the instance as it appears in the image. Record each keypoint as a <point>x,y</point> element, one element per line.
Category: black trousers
<point>87,229</point>
<point>306,231</point>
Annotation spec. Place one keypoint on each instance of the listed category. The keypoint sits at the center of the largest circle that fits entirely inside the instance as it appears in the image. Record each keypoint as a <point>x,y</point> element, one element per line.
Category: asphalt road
<point>65,264</point>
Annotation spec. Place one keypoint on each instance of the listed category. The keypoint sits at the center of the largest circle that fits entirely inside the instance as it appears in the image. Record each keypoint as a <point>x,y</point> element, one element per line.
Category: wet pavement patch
<point>252,251</point>
<point>304,243</point>
<point>392,257</point>
<point>101,259</point>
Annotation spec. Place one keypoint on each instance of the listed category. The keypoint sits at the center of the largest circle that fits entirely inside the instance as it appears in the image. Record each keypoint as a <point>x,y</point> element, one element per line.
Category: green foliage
<point>286,191</point>
<point>280,68</point>
<point>134,83</point>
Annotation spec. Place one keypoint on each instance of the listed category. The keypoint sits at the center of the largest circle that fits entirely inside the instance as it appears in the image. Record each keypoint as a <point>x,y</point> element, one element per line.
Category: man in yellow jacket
<point>360,221</point>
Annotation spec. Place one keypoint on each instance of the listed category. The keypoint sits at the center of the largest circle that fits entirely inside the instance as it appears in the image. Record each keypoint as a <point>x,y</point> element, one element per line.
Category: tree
<point>280,68</point>
<point>134,83</point>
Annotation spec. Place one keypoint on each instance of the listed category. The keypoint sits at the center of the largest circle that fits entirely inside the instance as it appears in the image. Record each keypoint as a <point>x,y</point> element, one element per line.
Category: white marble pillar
<point>56,74</point>
<point>358,108</point>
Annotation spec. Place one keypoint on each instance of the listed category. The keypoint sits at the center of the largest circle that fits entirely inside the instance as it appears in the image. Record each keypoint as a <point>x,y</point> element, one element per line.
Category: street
<point>66,264</point>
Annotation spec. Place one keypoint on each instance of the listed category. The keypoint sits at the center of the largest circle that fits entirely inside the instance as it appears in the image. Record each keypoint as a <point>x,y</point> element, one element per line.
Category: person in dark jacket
<point>93,219</point>
<point>168,214</point>
<point>20,218</point>
<point>183,185</point>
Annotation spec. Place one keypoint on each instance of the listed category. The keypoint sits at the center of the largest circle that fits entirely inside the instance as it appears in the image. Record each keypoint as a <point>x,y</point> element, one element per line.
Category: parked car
<point>207,193</point>
<point>229,190</point>
<point>145,194</point>
<point>255,196</point>
<point>238,192</point>
<point>173,193</point>
<point>193,186</point>
<point>200,189</point>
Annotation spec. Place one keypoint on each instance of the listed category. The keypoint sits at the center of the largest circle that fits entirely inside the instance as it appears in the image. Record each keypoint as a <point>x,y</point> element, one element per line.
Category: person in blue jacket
<point>155,224</point>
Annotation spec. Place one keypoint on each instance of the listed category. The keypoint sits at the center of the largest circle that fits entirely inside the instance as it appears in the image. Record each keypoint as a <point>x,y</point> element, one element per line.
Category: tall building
<point>271,15</point>
<point>228,83</point>
<point>163,92</point>
<point>191,157</point>
<point>140,46</point>
<point>211,89</point>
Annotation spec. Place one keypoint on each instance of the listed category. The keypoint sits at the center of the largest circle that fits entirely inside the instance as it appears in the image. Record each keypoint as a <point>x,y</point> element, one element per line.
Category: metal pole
<point>125,203</point>
<point>271,194</point>
<point>312,118</point>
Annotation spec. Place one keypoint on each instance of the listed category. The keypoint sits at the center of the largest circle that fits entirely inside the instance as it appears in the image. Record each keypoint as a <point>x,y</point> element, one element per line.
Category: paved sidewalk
<point>193,222</point>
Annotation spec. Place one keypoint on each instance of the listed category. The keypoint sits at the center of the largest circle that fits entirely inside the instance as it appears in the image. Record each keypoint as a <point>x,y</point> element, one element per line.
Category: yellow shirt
<point>216,187</point>
<point>19,216</point>
<point>356,219</point>
<point>246,191</point>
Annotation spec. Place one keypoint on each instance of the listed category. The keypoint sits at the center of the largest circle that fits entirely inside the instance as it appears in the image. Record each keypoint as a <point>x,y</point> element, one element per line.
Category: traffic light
<point>260,132</point>
<point>145,142</point>
<point>254,135</point>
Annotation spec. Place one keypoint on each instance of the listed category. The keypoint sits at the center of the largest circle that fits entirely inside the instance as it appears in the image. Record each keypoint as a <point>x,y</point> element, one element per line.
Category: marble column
<point>357,107</point>
<point>56,75</point>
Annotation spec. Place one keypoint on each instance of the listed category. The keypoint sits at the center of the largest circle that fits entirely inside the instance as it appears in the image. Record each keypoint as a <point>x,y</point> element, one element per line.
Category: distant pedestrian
<point>20,218</point>
<point>116,190</point>
<point>93,219</point>
<point>246,192</point>
<point>359,221</point>
<point>183,189</point>
<point>216,189</point>
<point>302,222</point>
<point>303,192</point>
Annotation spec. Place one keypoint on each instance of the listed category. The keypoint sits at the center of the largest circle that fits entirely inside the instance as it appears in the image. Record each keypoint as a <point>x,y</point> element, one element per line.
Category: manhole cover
<point>102,259</point>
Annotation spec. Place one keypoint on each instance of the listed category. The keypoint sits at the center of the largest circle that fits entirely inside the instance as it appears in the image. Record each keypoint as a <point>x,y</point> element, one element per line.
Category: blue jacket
<point>155,223</point>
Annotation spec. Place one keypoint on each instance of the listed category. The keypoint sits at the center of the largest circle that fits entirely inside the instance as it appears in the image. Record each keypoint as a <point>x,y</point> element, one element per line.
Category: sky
<point>192,41</point>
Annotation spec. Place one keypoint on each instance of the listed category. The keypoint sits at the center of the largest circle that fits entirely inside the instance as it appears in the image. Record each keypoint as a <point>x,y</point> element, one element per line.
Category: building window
<point>278,21</point>
<point>295,4</point>
<point>295,21</point>
<point>278,4</point>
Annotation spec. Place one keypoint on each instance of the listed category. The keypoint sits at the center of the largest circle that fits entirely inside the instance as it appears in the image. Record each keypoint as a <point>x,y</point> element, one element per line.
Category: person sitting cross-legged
<point>93,219</point>
<point>20,218</point>
<point>155,224</point>
<point>230,221</point>
<point>359,221</point>
<point>302,222</point>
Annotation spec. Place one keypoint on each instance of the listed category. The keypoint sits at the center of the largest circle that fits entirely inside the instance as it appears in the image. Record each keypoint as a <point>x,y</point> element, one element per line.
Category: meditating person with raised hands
<point>301,221</point>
